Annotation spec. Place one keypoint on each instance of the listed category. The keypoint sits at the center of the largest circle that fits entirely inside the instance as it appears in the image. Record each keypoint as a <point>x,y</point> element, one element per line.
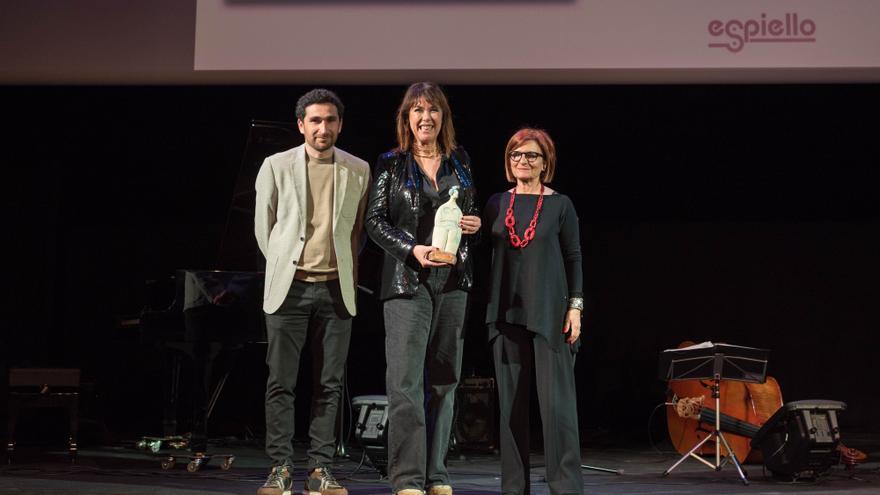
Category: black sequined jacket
<point>392,219</point>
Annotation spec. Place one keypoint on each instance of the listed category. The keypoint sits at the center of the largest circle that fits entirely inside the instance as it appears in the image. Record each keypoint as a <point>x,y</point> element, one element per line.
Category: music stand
<point>716,362</point>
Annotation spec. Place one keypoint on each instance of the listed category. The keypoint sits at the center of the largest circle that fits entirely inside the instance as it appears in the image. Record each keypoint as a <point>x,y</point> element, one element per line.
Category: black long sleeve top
<point>394,214</point>
<point>531,286</point>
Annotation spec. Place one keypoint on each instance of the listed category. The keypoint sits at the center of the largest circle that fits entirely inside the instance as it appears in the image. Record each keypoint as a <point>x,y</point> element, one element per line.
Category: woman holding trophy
<point>422,212</point>
<point>534,314</point>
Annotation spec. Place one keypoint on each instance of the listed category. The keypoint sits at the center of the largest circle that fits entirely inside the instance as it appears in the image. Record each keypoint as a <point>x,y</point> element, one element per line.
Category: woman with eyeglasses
<point>534,313</point>
<point>423,300</point>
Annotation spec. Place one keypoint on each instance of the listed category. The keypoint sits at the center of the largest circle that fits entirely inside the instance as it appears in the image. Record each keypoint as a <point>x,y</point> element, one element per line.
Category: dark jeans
<point>517,351</point>
<point>423,347</point>
<point>313,310</point>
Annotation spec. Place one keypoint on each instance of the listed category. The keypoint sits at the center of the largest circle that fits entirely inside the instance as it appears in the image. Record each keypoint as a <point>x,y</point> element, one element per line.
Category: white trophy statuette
<point>447,230</point>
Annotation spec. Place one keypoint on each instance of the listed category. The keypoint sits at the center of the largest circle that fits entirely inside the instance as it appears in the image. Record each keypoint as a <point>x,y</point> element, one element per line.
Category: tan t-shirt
<point>318,260</point>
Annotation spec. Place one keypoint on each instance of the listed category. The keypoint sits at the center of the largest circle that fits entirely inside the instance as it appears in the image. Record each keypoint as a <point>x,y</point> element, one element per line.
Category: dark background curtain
<point>744,214</point>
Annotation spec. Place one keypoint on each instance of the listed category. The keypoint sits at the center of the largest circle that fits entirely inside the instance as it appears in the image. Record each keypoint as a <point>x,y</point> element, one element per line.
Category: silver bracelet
<point>576,303</point>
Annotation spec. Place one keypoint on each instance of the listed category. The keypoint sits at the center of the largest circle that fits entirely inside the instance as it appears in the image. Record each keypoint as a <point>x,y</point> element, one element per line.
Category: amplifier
<point>800,440</point>
<point>371,429</point>
<point>476,415</point>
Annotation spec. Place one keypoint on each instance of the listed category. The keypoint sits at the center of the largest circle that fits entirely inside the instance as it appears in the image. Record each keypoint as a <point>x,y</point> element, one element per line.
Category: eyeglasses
<point>531,156</point>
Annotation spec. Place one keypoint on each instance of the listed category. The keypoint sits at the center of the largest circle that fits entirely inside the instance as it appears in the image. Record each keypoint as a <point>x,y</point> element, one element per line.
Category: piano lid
<point>238,246</point>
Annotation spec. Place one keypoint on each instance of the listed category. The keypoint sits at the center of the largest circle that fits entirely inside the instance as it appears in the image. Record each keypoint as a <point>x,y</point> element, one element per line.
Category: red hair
<point>543,140</point>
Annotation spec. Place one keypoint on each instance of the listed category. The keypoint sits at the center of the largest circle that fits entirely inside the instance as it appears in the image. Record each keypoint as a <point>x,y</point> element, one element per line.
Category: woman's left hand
<point>572,325</point>
<point>470,224</point>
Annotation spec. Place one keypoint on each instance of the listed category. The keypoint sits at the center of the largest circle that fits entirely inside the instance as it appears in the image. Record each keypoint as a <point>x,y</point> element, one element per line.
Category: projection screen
<point>450,41</point>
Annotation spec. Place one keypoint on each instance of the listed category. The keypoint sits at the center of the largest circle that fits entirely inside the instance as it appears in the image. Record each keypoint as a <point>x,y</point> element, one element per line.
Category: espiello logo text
<point>735,34</point>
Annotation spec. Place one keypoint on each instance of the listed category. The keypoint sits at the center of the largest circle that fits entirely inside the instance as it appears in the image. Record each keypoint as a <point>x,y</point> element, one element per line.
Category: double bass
<point>745,407</point>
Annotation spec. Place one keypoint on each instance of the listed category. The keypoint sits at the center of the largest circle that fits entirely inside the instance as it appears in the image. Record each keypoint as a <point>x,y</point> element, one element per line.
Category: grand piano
<point>215,310</point>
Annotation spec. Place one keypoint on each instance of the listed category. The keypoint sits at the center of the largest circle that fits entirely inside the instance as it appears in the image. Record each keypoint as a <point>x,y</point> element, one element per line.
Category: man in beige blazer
<point>309,214</point>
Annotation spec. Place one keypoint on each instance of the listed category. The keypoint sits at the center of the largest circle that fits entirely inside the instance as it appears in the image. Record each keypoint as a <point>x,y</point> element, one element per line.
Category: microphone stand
<point>341,451</point>
<point>602,469</point>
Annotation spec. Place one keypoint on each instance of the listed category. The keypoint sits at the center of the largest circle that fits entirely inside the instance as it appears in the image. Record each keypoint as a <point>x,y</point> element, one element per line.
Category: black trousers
<point>517,352</point>
<point>313,310</point>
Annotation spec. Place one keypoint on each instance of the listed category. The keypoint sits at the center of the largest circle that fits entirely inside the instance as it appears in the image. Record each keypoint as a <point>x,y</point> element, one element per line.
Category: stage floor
<point>120,470</point>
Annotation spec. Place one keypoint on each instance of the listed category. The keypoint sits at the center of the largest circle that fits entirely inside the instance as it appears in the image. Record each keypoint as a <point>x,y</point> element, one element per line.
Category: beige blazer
<point>280,220</point>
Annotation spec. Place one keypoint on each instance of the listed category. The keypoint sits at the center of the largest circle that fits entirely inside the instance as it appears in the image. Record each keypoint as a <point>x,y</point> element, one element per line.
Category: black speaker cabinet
<point>476,423</point>
<point>371,429</point>
<point>800,440</point>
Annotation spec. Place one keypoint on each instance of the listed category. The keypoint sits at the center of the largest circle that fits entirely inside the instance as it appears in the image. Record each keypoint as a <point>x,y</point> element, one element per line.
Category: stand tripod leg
<point>341,451</point>
<point>602,469</point>
<point>733,458</point>
<point>689,454</point>
<point>218,389</point>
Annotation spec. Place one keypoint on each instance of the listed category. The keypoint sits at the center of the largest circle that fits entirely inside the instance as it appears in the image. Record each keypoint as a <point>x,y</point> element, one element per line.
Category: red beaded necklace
<point>510,222</point>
